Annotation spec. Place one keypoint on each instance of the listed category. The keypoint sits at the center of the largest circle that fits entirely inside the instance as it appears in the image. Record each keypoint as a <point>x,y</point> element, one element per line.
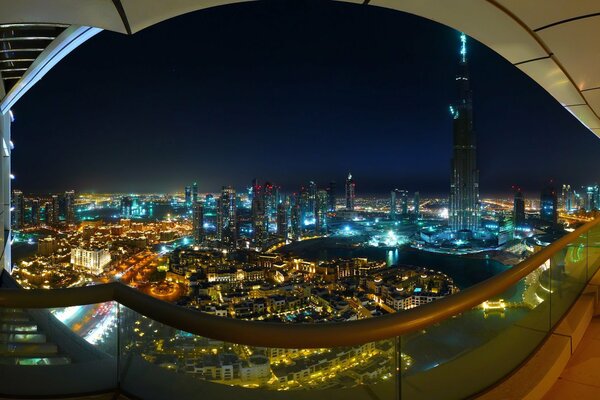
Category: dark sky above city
<point>287,91</point>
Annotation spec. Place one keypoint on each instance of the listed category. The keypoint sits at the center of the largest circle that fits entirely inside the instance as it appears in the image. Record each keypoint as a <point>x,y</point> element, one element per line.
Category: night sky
<point>287,91</point>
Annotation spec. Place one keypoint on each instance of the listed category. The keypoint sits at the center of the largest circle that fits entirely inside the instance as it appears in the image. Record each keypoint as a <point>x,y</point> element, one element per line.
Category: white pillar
<point>5,190</point>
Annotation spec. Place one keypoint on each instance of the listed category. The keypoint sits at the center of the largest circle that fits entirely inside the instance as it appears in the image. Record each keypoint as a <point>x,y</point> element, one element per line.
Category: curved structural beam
<point>552,41</point>
<point>265,334</point>
<point>65,43</point>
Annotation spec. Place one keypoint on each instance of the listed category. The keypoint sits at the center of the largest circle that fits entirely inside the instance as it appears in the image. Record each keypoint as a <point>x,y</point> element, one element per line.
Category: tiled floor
<point>581,378</point>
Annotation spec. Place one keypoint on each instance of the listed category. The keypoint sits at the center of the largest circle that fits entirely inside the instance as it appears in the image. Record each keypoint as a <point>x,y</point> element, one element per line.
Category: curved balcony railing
<point>452,348</point>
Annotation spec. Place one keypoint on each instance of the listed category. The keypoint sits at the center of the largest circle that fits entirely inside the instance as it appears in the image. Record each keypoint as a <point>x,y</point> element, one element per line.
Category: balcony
<point>507,337</point>
<point>521,334</point>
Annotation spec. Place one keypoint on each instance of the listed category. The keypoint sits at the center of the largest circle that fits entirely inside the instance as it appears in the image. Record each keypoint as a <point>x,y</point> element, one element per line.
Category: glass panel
<point>60,351</point>
<point>466,354</point>
<point>593,251</point>
<point>566,277</point>
<point>159,362</point>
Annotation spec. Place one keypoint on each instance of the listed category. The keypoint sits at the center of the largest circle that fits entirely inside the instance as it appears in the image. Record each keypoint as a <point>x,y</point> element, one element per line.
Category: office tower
<point>464,210</point>
<point>270,195</point>
<point>350,192</point>
<point>592,194</point>
<point>55,219</point>
<point>188,196</point>
<point>518,208</point>
<point>331,191</point>
<point>126,206</point>
<point>417,205</point>
<point>259,216</point>
<point>194,193</point>
<point>566,198</point>
<point>312,199</point>
<point>393,204</point>
<point>35,212</point>
<point>48,211</point>
<point>18,204</point>
<point>403,197</point>
<point>506,229</point>
<point>322,204</point>
<point>549,204</point>
<point>198,223</point>
<point>227,216</point>
<point>70,207</point>
<point>282,219</point>
<point>295,219</point>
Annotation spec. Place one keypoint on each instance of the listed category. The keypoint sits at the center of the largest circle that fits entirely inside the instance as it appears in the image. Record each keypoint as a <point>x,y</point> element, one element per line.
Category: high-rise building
<point>518,208</point>
<point>295,220</point>
<point>188,196</point>
<point>126,206</point>
<point>567,199</point>
<point>350,192</point>
<point>393,204</point>
<point>194,193</point>
<point>35,212</point>
<point>18,212</point>
<point>282,219</point>
<point>227,217</point>
<point>259,215</point>
<point>403,197</point>
<point>417,205</point>
<point>549,204</point>
<point>464,213</point>
<point>321,212</point>
<point>592,195</point>
<point>70,207</point>
<point>198,222</point>
<point>312,199</point>
<point>331,191</point>
<point>55,220</point>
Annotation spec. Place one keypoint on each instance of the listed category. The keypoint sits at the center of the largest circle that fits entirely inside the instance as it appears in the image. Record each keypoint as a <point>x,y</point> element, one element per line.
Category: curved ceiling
<point>555,42</point>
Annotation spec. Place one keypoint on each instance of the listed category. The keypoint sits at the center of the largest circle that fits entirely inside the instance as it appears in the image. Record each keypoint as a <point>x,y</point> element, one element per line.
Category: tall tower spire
<point>464,210</point>
<point>463,48</point>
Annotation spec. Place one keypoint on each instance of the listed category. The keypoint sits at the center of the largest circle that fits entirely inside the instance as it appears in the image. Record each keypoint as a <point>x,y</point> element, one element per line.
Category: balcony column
<point>5,189</point>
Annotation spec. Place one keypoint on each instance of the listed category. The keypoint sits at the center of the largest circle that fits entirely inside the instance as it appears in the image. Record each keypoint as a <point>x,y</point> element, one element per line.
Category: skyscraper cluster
<point>51,210</point>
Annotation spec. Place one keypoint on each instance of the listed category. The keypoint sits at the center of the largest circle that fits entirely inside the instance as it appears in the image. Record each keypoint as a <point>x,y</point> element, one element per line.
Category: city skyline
<point>300,102</point>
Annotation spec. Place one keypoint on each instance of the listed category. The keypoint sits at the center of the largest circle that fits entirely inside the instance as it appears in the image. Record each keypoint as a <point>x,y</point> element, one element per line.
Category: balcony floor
<point>581,378</point>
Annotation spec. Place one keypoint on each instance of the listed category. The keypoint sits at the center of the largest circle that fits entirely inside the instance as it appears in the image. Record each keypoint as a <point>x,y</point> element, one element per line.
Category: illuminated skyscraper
<point>519,208</point>
<point>126,206</point>
<point>194,193</point>
<point>18,212</point>
<point>331,191</point>
<point>259,216</point>
<point>567,198</point>
<point>70,206</point>
<point>321,212</point>
<point>198,223</point>
<point>55,220</point>
<point>295,219</point>
<point>312,199</point>
<point>35,212</point>
<point>592,195</point>
<point>282,219</point>
<point>227,217</point>
<point>393,204</point>
<point>549,204</point>
<point>188,196</point>
<point>403,197</point>
<point>350,192</point>
<point>417,205</point>
<point>464,210</point>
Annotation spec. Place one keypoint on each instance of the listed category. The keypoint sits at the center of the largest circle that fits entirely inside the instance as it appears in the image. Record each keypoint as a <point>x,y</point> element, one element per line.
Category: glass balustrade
<point>101,347</point>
